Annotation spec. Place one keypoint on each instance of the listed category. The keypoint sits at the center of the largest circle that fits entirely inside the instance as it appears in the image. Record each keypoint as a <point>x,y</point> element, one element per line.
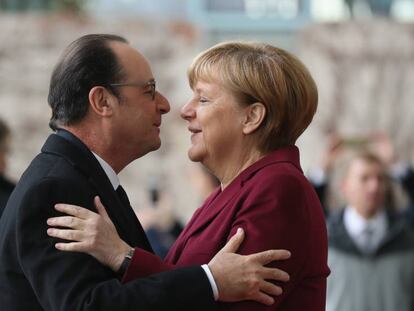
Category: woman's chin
<point>194,156</point>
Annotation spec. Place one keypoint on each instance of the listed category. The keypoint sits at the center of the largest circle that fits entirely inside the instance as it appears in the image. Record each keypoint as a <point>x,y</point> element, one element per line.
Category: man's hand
<point>244,277</point>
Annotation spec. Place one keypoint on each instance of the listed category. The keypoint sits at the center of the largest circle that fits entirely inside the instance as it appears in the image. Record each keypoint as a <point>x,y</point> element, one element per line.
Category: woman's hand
<point>91,233</point>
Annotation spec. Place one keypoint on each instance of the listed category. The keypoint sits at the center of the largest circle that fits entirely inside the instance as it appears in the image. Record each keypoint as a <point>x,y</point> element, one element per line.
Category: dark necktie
<point>123,197</point>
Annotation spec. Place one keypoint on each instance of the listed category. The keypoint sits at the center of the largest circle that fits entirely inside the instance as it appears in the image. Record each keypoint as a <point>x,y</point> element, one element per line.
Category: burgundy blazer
<point>278,209</point>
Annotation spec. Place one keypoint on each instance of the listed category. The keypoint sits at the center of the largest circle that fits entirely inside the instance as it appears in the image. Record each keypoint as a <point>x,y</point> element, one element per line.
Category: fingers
<point>274,274</point>
<point>71,235</point>
<point>233,244</point>
<point>270,255</point>
<point>100,207</point>
<point>266,293</point>
<point>263,298</point>
<point>66,221</point>
<point>270,288</point>
<point>73,210</point>
<point>70,247</point>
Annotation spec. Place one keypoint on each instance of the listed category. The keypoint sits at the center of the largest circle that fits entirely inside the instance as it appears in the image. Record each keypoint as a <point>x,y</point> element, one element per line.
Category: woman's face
<point>215,121</point>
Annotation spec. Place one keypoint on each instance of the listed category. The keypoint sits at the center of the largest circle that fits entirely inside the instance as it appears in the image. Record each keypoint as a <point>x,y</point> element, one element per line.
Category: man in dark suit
<point>106,114</point>
<point>6,186</point>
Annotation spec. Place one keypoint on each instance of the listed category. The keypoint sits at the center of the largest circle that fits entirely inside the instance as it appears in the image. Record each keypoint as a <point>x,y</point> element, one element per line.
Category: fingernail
<point>239,230</point>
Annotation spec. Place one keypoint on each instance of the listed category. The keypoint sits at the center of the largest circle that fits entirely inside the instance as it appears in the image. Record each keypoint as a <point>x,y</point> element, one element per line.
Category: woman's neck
<point>231,168</point>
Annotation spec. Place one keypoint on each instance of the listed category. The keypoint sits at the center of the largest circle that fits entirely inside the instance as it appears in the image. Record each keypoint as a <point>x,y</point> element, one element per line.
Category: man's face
<point>364,186</point>
<point>137,118</point>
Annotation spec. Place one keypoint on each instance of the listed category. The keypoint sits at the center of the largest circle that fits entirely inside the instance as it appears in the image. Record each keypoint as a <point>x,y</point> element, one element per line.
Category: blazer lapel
<point>212,208</point>
<point>208,212</point>
<point>84,161</point>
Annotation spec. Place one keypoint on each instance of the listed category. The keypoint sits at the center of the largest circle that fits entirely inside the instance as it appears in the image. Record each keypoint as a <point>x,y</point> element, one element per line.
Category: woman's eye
<point>203,100</point>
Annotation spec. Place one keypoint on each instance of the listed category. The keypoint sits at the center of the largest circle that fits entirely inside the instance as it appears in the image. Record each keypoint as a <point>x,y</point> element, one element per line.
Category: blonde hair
<point>257,72</point>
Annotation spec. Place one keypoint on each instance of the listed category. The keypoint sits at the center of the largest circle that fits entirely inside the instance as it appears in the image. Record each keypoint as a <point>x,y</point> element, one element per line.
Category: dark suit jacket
<point>6,188</point>
<point>278,208</point>
<point>36,276</point>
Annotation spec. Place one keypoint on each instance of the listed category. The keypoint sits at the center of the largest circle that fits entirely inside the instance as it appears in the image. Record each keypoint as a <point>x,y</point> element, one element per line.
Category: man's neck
<point>365,215</point>
<point>98,144</point>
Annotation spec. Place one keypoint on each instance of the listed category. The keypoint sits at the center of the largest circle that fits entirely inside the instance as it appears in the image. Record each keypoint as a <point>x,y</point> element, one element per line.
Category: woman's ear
<point>101,101</point>
<point>254,116</point>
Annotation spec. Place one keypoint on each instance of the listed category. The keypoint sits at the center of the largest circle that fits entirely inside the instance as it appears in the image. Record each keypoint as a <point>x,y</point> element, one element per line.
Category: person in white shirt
<point>371,247</point>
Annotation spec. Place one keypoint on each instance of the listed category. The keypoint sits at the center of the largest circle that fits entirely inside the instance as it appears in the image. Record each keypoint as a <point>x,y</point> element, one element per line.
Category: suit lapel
<point>83,160</point>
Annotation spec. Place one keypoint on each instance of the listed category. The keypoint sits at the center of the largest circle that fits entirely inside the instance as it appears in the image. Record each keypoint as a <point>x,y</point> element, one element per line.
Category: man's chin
<point>152,148</point>
<point>156,146</point>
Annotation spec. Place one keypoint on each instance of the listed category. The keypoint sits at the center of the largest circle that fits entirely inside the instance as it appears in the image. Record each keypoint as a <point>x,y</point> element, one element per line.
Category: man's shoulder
<point>48,166</point>
<point>47,176</point>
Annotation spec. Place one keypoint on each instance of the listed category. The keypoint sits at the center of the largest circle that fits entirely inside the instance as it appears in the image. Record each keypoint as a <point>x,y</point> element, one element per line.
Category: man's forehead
<point>131,59</point>
<point>361,164</point>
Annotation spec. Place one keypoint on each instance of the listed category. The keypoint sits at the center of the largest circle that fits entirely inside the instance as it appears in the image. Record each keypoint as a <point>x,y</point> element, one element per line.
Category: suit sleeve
<point>408,184</point>
<point>274,217</point>
<point>75,281</point>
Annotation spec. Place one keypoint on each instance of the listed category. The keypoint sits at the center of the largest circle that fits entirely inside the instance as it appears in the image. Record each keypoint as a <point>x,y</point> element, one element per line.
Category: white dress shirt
<point>109,171</point>
<point>366,233</point>
<point>114,179</point>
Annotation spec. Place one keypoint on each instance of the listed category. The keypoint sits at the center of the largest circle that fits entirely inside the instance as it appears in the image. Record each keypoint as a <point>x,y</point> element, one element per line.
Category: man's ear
<point>254,116</point>
<point>101,101</point>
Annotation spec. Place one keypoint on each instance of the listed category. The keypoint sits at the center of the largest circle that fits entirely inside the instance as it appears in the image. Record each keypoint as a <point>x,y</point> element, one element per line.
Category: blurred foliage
<point>48,5</point>
<point>71,5</point>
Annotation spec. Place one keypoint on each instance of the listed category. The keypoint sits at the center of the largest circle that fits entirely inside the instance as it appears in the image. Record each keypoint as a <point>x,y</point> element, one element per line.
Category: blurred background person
<point>371,245</point>
<point>158,218</point>
<point>400,171</point>
<point>6,185</point>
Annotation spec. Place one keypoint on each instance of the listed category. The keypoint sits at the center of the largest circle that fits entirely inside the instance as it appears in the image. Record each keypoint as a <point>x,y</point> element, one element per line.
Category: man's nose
<point>162,103</point>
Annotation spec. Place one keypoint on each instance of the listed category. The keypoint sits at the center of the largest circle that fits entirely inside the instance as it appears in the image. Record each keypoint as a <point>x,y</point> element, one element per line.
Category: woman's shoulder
<point>278,172</point>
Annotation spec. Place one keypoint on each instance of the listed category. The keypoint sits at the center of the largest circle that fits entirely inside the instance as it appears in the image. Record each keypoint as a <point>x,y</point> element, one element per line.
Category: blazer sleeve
<point>144,264</point>
<point>273,216</point>
<point>76,281</point>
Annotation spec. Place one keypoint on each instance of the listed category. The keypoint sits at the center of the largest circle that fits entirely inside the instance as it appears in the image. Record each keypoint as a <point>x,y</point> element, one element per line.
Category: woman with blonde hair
<point>250,103</point>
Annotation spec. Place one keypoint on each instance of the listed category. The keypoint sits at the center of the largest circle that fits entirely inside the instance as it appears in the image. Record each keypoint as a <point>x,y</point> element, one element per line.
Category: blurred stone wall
<point>364,73</point>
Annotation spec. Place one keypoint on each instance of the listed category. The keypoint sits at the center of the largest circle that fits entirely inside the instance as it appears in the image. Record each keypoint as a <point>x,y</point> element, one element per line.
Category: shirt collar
<point>356,224</point>
<point>109,171</point>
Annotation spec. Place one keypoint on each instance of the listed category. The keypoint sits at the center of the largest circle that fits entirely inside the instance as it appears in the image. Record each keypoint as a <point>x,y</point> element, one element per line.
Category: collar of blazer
<point>219,199</point>
<point>289,154</point>
<point>84,161</point>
